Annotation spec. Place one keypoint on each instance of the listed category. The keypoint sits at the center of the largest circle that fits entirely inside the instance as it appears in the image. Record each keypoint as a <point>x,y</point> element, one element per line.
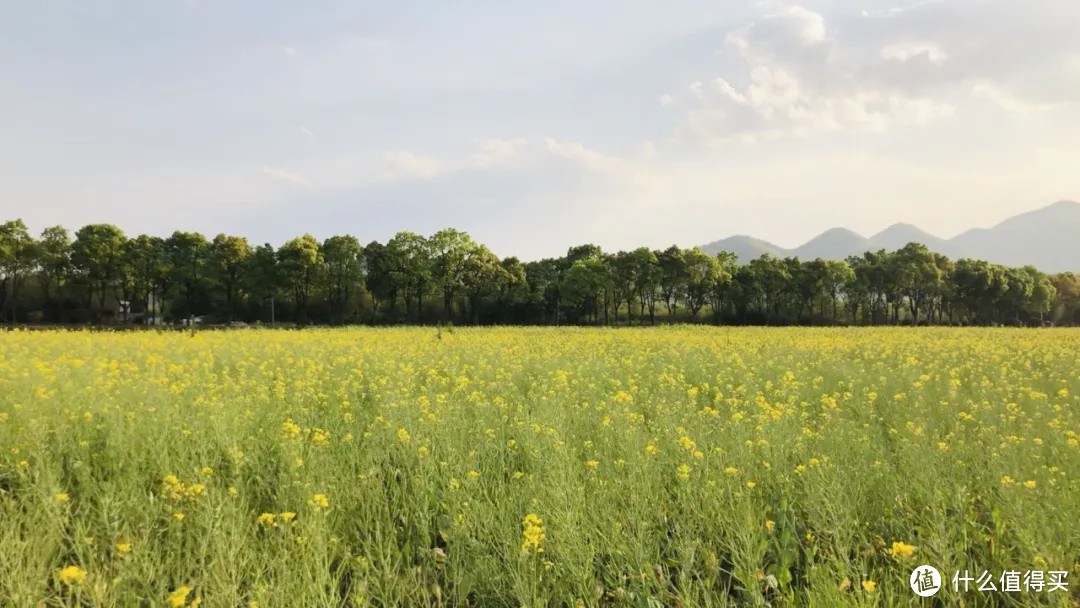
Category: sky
<point>535,126</point>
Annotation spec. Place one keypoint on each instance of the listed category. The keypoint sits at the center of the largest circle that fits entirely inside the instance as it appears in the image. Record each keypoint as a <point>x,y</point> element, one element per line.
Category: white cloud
<point>991,90</point>
<point>792,93</point>
<point>590,159</point>
<point>491,154</point>
<point>308,133</point>
<point>666,100</point>
<point>403,164</point>
<point>288,50</point>
<point>284,176</point>
<point>808,25</point>
<point>905,51</point>
<point>496,152</point>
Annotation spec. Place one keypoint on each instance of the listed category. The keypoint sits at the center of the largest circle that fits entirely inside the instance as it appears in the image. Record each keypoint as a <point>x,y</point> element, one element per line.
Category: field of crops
<point>503,467</point>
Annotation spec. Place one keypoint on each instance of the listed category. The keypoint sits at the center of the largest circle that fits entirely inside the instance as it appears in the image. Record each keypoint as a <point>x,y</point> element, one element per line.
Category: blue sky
<point>535,126</point>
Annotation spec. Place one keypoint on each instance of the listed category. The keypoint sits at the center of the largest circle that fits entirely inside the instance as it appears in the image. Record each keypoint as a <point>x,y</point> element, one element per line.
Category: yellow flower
<point>206,472</point>
<point>592,464</point>
<point>684,472</point>
<point>266,519</point>
<point>72,575</point>
<point>1030,484</point>
<point>178,516</point>
<point>770,525</point>
<point>320,501</point>
<point>123,547</point>
<point>651,449</point>
<point>195,602</point>
<point>403,435</point>
<point>287,516</point>
<point>474,474</point>
<point>532,534</point>
<point>178,598</point>
<point>61,497</point>
<point>751,485</point>
<point>731,471</point>
<point>290,428</point>
<point>1007,481</point>
<point>869,586</point>
<point>902,550</point>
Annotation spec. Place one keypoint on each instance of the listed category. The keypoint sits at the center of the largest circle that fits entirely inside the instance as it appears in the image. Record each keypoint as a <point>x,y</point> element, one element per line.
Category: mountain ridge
<point>1047,238</point>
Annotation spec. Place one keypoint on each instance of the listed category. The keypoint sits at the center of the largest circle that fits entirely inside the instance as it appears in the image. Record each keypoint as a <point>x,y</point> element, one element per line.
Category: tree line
<point>100,275</point>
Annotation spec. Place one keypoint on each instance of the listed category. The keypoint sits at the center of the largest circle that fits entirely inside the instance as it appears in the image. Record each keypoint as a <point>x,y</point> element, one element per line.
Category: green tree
<point>449,250</point>
<point>150,273</point>
<point>1066,304</point>
<point>674,274</point>
<point>263,280</point>
<point>623,287</point>
<point>513,290</point>
<point>1043,293</point>
<point>583,285</point>
<point>18,257</point>
<point>771,276</point>
<point>702,274</point>
<point>919,277</point>
<point>344,260</point>
<point>411,258</point>
<point>725,288</point>
<point>96,255</point>
<point>299,262</point>
<point>228,258</point>
<point>187,253</point>
<point>380,278</point>
<point>482,276</point>
<point>836,276</point>
<point>54,260</point>
<point>806,285</point>
<point>544,279</point>
<point>977,286</point>
<point>647,275</point>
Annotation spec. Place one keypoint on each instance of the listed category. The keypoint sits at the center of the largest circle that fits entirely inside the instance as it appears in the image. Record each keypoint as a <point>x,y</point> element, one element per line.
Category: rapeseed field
<point>683,466</point>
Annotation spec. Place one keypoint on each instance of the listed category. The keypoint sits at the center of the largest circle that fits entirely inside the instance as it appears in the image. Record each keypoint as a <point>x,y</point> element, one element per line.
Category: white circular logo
<point>925,581</point>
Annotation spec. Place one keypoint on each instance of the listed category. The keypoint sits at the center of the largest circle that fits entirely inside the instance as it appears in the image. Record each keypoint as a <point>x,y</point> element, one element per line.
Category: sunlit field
<point>686,466</point>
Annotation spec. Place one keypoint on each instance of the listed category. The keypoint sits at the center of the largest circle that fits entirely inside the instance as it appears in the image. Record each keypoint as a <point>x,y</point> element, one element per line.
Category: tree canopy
<point>101,275</point>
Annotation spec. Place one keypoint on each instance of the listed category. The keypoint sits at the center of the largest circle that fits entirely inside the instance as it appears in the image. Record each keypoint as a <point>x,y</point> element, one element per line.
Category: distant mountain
<point>833,244</point>
<point>1048,238</point>
<point>896,236</point>
<point>745,247</point>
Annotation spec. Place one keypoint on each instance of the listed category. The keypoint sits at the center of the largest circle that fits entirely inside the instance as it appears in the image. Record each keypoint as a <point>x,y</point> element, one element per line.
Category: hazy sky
<point>537,125</point>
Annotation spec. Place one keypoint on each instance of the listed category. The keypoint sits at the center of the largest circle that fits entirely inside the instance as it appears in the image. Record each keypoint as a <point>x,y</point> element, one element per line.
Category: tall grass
<point>673,466</point>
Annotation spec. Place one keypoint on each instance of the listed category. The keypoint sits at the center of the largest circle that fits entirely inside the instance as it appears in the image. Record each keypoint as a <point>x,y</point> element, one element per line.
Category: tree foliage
<point>102,275</point>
